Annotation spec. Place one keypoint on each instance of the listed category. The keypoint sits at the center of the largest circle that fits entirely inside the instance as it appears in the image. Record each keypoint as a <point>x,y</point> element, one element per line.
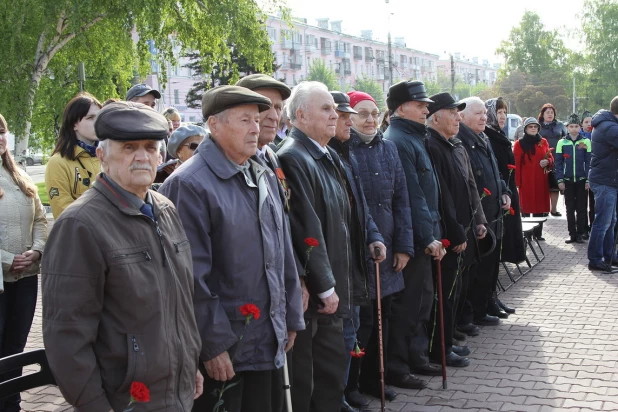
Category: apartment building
<point>469,70</point>
<point>350,57</point>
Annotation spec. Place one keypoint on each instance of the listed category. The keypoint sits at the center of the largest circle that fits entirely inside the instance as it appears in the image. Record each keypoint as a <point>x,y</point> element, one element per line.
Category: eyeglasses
<point>192,146</point>
<point>365,115</point>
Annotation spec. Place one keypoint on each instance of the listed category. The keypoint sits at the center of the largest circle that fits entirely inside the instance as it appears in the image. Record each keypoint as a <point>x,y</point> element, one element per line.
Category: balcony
<point>369,57</point>
<point>296,66</point>
<point>347,71</point>
<point>380,76</point>
<point>310,48</point>
<point>284,66</point>
<point>380,59</point>
<point>326,50</point>
<point>341,54</point>
<point>358,56</point>
<point>404,65</point>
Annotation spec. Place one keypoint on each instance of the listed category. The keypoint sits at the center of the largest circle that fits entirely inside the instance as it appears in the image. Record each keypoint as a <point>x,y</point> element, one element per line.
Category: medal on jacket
<point>284,184</point>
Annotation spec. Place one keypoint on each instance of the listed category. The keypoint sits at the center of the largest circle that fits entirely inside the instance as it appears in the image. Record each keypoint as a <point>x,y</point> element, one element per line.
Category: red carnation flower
<point>487,192</point>
<point>566,155</point>
<point>357,352</point>
<point>139,392</point>
<point>512,211</point>
<point>311,242</point>
<point>511,167</point>
<point>249,309</point>
<point>446,243</point>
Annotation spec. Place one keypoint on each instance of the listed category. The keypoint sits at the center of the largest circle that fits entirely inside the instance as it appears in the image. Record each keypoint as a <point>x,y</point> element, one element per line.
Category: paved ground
<point>557,353</point>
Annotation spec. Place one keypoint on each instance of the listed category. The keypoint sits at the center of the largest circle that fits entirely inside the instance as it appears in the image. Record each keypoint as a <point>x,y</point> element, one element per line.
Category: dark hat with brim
<point>140,90</point>
<point>126,121</point>
<point>342,101</point>
<point>444,101</point>
<point>225,97</point>
<point>263,81</point>
<point>406,91</point>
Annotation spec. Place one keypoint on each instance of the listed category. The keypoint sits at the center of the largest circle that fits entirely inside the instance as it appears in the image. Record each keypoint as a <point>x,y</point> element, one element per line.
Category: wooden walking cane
<point>380,339</point>
<point>441,317</point>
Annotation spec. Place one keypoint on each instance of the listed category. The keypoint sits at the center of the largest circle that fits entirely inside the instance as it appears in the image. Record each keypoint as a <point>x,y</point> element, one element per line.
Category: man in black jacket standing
<point>321,209</point>
<point>458,193</point>
<point>411,308</point>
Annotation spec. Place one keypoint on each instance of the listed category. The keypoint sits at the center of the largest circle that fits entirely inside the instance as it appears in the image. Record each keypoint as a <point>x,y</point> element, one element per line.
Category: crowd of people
<point>213,264</point>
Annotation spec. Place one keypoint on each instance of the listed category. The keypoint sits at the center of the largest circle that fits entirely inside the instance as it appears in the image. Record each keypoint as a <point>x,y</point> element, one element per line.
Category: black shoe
<point>539,238</point>
<point>505,308</point>
<point>457,335</point>
<point>389,393</point>
<point>461,350</point>
<point>346,407</point>
<point>487,320</point>
<point>586,236</point>
<point>570,240</point>
<point>579,239</point>
<point>469,329</point>
<point>557,214</point>
<point>427,370</point>
<point>408,381</point>
<point>453,360</point>
<point>355,399</point>
<point>601,266</point>
<point>494,309</point>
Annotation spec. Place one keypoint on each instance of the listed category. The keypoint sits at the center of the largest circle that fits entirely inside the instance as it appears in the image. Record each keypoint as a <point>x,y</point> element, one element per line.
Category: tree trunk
<point>21,142</point>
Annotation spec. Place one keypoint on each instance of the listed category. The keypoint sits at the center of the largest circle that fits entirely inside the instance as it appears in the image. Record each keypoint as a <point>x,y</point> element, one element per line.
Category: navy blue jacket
<point>604,163</point>
<point>423,190</point>
<point>384,184</point>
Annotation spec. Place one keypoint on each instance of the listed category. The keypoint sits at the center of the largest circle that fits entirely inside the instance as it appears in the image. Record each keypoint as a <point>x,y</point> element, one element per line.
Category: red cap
<point>357,97</point>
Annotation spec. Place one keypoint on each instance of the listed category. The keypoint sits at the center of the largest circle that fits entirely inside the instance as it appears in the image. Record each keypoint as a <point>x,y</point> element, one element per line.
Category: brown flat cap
<point>263,81</point>
<point>130,121</point>
<point>224,97</point>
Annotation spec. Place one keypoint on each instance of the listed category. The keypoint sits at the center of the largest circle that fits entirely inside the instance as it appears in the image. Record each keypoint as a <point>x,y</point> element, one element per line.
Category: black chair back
<point>23,383</point>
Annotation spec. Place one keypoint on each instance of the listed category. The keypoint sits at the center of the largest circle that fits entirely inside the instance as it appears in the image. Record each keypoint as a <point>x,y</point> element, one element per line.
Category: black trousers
<point>576,200</point>
<point>464,313</point>
<point>485,281</point>
<point>17,305</point>
<point>590,208</point>
<point>451,291</point>
<point>410,313</point>
<point>256,391</point>
<point>318,366</point>
<point>365,371</point>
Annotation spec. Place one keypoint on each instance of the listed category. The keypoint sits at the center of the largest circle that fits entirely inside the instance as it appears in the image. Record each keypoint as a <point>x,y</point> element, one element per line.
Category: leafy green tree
<point>319,72</point>
<point>227,72</point>
<point>37,33</point>
<point>372,88</point>
<point>532,49</point>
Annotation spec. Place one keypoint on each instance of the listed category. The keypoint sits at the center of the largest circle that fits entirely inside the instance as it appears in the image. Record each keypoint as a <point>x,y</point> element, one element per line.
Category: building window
<point>192,118</point>
<point>272,33</point>
<point>176,96</point>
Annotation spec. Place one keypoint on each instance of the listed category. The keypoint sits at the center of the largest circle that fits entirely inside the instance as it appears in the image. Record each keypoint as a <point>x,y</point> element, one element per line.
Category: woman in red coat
<point>533,159</point>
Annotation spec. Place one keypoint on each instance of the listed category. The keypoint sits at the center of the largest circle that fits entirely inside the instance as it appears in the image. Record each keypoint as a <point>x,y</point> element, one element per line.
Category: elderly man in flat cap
<point>411,308</point>
<point>242,254</point>
<point>321,210</point>
<point>364,231</point>
<point>459,195</point>
<point>117,306</point>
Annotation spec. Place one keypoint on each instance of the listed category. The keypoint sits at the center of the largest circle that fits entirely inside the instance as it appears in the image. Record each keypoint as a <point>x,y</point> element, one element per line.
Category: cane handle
<point>377,251</point>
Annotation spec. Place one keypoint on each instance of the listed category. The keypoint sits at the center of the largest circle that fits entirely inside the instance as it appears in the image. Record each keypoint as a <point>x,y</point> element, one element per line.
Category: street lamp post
<point>390,49</point>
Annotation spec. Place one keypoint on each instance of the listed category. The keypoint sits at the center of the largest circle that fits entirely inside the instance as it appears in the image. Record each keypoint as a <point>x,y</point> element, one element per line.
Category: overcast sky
<point>472,27</point>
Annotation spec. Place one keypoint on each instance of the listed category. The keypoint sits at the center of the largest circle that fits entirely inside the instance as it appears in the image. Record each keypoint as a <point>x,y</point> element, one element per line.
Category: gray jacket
<point>242,253</point>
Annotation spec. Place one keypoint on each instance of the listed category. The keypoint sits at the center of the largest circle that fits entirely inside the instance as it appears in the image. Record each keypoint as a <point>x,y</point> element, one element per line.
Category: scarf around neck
<point>528,143</point>
<point>92,150</point>
<point>365,138</point>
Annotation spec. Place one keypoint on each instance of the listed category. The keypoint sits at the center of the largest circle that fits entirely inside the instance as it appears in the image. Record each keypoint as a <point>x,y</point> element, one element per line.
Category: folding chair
<point>13,386</point>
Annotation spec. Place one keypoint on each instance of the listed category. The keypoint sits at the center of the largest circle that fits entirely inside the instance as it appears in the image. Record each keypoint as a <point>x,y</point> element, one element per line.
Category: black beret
<point>130,121</point>
<point>263,81</point>
<point>225,97</point>
<point>406,91</point>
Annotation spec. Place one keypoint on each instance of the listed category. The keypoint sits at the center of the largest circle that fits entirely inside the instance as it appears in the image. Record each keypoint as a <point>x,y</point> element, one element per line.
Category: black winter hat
<point>406,91</point>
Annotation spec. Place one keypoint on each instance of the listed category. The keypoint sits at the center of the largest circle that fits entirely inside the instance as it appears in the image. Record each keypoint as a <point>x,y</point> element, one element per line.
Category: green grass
<point>43,193</point>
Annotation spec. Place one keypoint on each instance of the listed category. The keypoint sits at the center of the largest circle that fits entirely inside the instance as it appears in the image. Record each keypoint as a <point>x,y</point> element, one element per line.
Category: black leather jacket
<point>320,209</point>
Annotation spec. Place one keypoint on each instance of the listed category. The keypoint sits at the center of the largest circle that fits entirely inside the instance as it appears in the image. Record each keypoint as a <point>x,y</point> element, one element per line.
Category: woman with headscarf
<point>512,249</point>
<point>23,233</point>
<point>551,130</point>
<point>533,160</point>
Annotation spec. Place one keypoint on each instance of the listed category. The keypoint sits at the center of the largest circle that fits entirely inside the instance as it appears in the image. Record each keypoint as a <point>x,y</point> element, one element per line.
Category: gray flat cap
<point>263,81</point>
<point>130,121</point>
<point>180,135</point>
<point>140,90</point>
<point>225,97</point>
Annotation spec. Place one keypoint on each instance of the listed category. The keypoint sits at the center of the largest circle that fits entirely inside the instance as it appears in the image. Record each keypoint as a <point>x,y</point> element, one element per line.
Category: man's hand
<point>481,231</point>
<point>434,248</point>
<point>506,202</point>
<point>305,294</point>
<point>291,338</point>
<point>460,248</point>
<point>561,186</point>
<point>220,368</point>
<point>382,248</point>
<point>330,304</point>
<point>400,260</point>
<point>544,163</point>
<point>587,186</point>
<point>199,385</point>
